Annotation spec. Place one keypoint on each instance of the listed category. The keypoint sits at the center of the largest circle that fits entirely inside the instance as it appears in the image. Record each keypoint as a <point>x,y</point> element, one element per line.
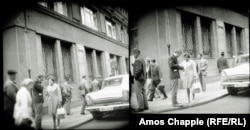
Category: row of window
<point>190,41</point>
<point>89,18</point>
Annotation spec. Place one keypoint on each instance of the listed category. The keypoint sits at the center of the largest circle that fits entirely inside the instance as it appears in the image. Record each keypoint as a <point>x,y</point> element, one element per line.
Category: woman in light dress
<point>189,75</point>
<point>54,100</point>
<point>23,106</point>
<point>67,92</point>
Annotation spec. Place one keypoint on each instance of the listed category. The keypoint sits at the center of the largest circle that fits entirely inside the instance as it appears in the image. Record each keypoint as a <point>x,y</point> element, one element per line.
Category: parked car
<point>236,78</point>
<point>113,96</point>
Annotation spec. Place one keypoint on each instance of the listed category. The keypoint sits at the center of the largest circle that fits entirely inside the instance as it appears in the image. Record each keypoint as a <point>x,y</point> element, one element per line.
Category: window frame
<point>92,15</point>
<point>112,32</point>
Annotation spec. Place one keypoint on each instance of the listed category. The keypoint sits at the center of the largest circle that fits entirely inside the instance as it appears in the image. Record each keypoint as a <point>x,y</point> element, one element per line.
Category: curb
<point>79,124</point>
<point>193,105</point>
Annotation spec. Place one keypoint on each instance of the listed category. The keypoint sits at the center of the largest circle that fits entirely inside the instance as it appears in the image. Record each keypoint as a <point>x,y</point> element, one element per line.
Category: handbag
<point>196,86</point>
<point>60,113</point>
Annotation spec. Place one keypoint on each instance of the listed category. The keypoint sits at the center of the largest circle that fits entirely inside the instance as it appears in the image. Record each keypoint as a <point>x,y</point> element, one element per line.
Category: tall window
<point>67,60</point>
<point>61,8</point>
<point>206,36</point>
<point>238,40</point>
<point>90,65</point>
<point>110,27</point>
<point>89,17</point>
<point>229,41</point>
<point>123,35</point>
<point>188,33</point>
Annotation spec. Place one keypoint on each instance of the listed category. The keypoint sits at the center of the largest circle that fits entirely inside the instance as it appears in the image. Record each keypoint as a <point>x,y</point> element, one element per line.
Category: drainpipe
<point>27,44</point>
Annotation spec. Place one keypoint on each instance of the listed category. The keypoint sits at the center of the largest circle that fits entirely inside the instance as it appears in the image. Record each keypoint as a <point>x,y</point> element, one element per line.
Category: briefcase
<point>196,86</point>
<point>60,113</point>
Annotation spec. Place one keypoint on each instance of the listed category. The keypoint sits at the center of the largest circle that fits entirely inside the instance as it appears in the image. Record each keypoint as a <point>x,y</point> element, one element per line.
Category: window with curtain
<point>67,60</point>
<point>188,33</point>
<point>228,29</point>
<point>89,17</point>
<point>238,40</point>
<point>206,36</point>
<point>110,27</point>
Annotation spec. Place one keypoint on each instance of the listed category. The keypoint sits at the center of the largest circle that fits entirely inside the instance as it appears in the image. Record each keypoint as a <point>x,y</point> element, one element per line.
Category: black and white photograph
<point>65,65</point>
<point>190,59</point>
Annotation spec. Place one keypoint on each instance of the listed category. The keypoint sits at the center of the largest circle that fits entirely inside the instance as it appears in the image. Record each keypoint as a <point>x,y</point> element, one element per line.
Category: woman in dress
<point>67,93</point>
<point>189,75</point>
<point>54,100</point>
<point>23,106</point>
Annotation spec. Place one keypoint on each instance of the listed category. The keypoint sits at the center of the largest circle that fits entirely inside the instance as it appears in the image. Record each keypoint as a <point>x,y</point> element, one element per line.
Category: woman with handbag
<point>54,100</point>
<point>23,106</point>
<point>189,75</point>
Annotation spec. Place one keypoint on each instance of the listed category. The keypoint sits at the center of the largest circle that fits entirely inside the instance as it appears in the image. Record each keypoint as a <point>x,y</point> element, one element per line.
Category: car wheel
<point>232,90</point>
<point>97,115</point>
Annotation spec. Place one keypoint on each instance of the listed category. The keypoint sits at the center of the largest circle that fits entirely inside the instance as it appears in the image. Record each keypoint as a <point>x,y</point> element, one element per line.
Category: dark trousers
<point>141,95</point>
<point>9,120</point>
<point>84,104</point>
<point>38,115</point>
<point>152,89</point>
<point>203,82</point>
<point>174,87</point>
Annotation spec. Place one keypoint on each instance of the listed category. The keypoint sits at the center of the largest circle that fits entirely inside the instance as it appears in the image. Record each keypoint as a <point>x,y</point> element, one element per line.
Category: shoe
<point>82,113</point>
<point>177,105</point>
<point>164,98</point>
<point>146,108</point>
<point>150,100</point>
<point>138,110</point>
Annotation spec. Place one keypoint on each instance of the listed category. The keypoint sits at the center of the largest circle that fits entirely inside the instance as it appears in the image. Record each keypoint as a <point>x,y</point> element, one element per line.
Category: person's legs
<point>152,91</point>
<point>38,112</point>
<point>204,83</point>
<point>139,94</point>
<point>54,120</point>
<point>188,94</point>
<point>83,105</point>
<point>145,99</point>
<point>174,83</point>
<point>201,80</point>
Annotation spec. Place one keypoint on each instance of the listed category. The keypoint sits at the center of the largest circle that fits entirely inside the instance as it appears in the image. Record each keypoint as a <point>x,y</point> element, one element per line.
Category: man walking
<point>155,74</point>
<point>203,72</point>
<point>37,98</point>
<point>222,63</point>
<point>140,79</point>
<point>174,76</point>
<point>10,90</point>
<point>95,84</point>
<point>85,88</point>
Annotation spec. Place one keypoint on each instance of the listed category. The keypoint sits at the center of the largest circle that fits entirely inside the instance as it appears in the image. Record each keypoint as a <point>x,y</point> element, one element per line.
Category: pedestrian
<point>155,74</point>
<point>67,93</point>
<point>95,84</point>
<point>85,88</point>
<point>148,83</point>
<point>100,82</point>
<point>174,68</point>
<point>139,69</point>
<point>23,106</point>
<point>10,89</point>
<point>203,65</point>
<point>54,100</point>
<point>37,98</point>
<point>189,75</point>
<point>222,63</point>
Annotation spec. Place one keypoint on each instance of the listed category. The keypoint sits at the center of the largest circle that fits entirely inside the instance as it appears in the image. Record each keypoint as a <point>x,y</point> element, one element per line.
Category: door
<point>67,61</point>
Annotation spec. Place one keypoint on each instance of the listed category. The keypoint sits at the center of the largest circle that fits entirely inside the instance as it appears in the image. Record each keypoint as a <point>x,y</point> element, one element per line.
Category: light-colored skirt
<point>188,79</point>
<point>53,104</point>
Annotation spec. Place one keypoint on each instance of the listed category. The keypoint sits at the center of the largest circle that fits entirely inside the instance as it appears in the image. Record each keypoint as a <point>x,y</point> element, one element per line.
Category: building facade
<point>158,32</point>
<point>70,39</point>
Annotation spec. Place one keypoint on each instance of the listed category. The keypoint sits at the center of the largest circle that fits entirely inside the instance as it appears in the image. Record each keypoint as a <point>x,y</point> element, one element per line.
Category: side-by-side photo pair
<point>86,65</point>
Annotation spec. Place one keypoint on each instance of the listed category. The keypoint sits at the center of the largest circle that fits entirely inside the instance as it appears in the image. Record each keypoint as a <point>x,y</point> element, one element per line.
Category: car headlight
<point>89,100</point>
<point>125,95</point>
<point>224,76</point>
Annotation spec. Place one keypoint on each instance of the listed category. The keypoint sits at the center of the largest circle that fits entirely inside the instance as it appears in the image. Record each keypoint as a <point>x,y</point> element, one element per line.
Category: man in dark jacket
<point>222,63</point>
<point>10,90</point>
<point>155,74</point>
<point>174,76</point>
<point>140,79</point>
<point>37,98</point>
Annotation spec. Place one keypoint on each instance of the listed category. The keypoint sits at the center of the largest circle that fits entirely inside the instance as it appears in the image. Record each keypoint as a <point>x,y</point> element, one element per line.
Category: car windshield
<point>243,60</point>
<point>112,82</point>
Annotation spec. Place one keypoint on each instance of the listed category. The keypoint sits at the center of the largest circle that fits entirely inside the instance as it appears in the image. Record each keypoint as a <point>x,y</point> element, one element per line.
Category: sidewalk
<point>213,92</point>
<point>70,121</point>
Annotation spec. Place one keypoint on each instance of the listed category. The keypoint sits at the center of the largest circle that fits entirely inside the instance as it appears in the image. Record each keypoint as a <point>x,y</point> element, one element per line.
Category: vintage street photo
<point>189,59</point>
<point>66,65</point>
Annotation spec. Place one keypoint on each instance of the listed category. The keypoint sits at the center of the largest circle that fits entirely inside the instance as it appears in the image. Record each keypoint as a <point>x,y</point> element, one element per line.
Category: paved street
<point>229,104</point>
<point>111,121</point>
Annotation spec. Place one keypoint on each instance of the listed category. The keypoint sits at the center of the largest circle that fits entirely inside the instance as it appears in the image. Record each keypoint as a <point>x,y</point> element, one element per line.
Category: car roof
<point>118,76</point>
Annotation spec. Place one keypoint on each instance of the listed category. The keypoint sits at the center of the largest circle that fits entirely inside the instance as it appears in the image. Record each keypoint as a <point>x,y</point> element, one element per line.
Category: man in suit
<point>222,63</point>
<point>37,98</point>
<point>174,68</point>
<point>85,88</point>
<point>155,74</point>
<point>203,72</point>
<point>139,71</point>
<point>10,90</point>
